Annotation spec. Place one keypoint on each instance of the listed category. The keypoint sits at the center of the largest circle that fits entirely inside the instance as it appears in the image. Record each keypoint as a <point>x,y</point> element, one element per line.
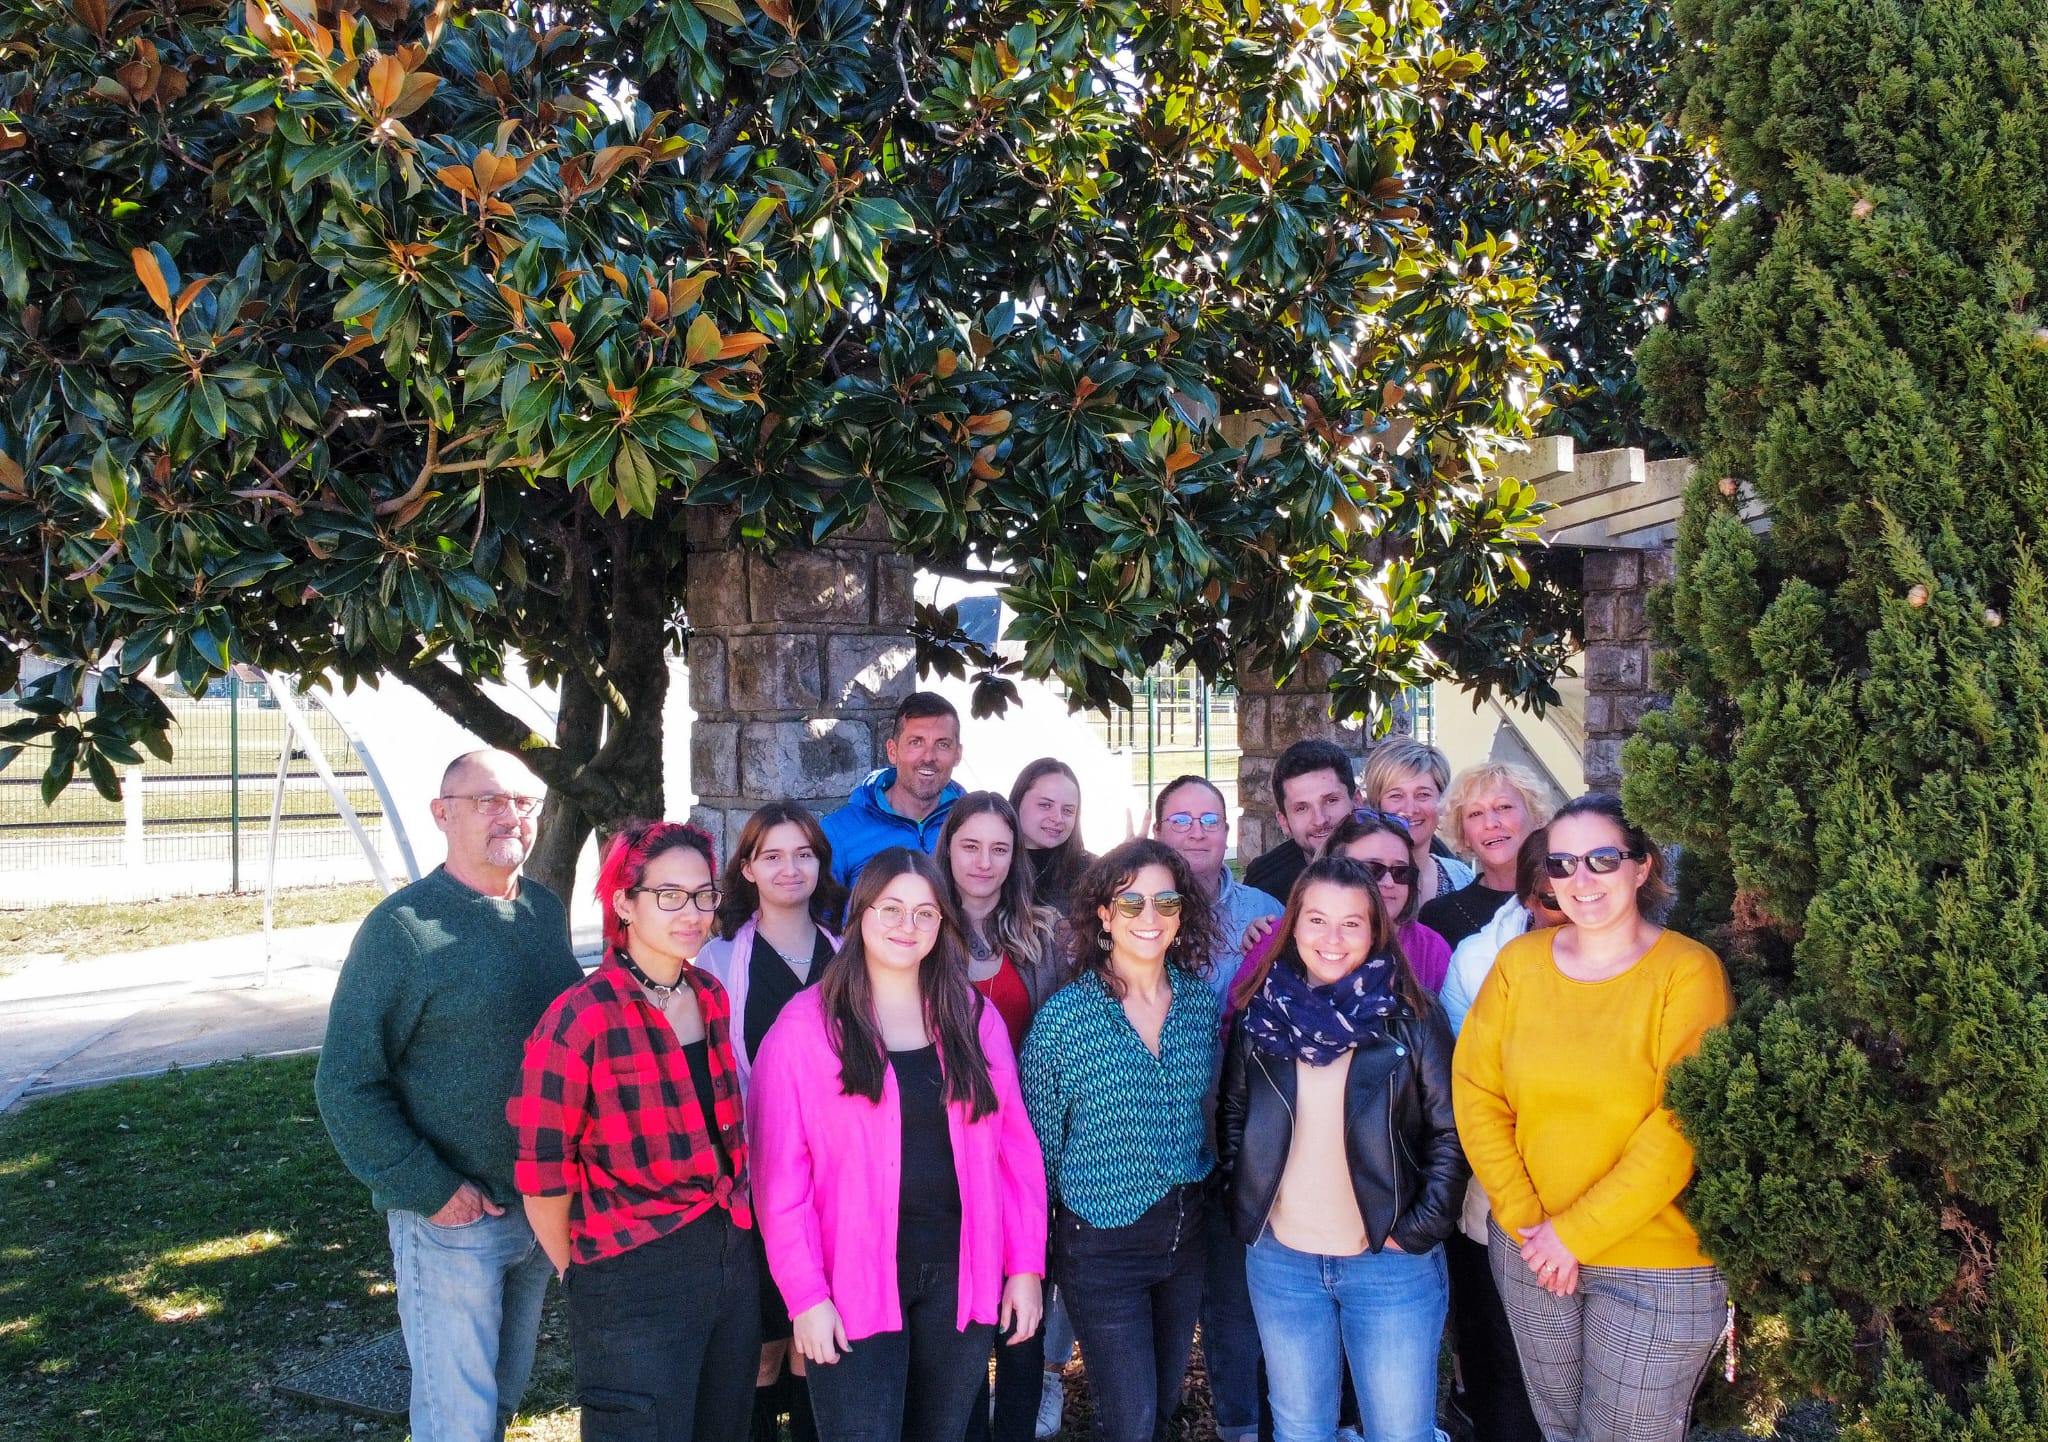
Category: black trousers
<point>1494,1396</point>
<point>667,1337</point>
<point>912,1385</point>
<point>1133,1294</point>
<point>1020,1380</point>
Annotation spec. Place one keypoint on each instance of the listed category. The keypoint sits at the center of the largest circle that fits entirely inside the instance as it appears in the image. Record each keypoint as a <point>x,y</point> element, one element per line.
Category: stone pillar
<point>1617,633</point>
<point>797,662</point>
<point>1269,720</point>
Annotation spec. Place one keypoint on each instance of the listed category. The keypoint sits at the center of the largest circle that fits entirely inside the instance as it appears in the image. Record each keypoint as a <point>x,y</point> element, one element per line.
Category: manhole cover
<point>372,1378</point>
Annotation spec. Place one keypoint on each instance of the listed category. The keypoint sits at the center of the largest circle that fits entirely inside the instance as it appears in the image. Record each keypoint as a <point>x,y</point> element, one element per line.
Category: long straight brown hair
<point>1386,941</point>
<point>952,1007</point>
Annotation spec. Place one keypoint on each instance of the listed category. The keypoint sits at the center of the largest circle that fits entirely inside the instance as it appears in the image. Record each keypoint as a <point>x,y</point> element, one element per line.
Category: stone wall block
<point>1659,566</point>
<point>1251,722</point>
<point>1631,618</point>
<point>1603,764</point>
<point>1630,710</point>
<point>706,659</point>
<point>868,671</point>
<point>715,757</point>
<point>1611,570</point>
<point>817,761</point>
<point>809,586</point>
<point>1616,666</point>
<point>781,671</point>
<point>1598,615</point>
<point>895,589</point>
<point>1599,714</point>
<point>717,589</point>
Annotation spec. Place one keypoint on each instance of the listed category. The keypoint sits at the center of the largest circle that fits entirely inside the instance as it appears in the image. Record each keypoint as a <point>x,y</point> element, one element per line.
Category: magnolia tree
<point>380,337</point>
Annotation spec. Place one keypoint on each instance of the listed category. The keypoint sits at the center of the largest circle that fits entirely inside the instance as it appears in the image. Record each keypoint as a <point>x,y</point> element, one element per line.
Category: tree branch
<point>463,699</point>
<point>723,138</point>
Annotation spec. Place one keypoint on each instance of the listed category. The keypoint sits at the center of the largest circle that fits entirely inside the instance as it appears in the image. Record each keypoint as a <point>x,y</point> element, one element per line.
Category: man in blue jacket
<point>905,803</point>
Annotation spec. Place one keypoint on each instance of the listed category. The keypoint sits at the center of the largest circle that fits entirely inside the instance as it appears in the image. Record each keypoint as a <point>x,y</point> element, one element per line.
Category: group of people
<point>921,1084</point>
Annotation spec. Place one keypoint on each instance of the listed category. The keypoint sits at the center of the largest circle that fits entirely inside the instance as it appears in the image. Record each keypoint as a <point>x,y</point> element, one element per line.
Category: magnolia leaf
<point>703,343</point>
<point>739,343</point>
<point>727,11</point>
<point>387,83</point>
<point>151,273</point>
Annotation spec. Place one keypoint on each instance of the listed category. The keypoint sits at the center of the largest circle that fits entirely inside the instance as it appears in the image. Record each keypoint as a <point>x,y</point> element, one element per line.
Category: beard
<point>508,852</point>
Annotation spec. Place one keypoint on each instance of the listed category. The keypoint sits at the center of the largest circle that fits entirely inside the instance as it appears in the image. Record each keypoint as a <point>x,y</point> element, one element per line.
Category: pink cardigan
<point>828,1171</point>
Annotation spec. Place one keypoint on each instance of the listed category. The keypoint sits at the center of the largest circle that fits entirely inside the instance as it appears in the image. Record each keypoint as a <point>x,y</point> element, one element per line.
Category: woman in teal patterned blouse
<point>1115,1072</point>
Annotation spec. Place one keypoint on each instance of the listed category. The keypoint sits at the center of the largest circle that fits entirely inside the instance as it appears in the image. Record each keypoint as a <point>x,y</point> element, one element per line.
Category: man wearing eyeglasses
<point>445,979</point>
<point>1190,816</point>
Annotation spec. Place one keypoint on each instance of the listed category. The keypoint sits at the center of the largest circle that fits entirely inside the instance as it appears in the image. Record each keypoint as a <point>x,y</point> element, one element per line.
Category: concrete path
<point>73,1024</point>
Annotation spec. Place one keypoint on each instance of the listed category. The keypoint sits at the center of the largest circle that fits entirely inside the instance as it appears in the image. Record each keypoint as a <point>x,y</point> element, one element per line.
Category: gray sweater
<point>426,1032</point>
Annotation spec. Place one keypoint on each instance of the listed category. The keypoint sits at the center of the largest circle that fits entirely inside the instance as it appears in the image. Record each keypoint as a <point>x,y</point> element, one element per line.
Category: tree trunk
<point>612,743</point>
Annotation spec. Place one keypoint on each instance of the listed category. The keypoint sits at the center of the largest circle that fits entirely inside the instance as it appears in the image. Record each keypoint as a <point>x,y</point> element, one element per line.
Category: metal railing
<point>199,822</point>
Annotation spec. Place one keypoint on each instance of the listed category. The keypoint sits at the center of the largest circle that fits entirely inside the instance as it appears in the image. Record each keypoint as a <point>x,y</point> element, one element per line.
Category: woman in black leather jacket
<point>1336,1133</point>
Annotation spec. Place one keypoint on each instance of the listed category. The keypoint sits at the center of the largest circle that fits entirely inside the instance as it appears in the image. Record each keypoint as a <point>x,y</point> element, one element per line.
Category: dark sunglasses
<point>1373,813</point>
<point>1405,872</point>
<point>1131,903</point>
<point>1601,860</point>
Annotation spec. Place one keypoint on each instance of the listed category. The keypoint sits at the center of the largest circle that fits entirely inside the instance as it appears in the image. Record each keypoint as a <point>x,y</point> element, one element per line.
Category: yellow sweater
<point>1559,1091</point>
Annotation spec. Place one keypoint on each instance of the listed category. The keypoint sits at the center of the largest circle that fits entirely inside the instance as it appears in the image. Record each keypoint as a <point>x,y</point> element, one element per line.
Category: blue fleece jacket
<point>867,823</point>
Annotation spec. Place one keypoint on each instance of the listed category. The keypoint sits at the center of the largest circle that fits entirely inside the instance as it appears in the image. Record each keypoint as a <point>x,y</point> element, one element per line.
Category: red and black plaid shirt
<point>607,1113</point>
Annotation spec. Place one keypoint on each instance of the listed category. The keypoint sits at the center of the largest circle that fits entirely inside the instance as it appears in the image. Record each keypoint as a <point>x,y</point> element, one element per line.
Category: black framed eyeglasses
<point>675,898</point>
<point>1132,903</point>
<point>1373,813</point>
<point>1180,823</point>
<point>1601,861</point>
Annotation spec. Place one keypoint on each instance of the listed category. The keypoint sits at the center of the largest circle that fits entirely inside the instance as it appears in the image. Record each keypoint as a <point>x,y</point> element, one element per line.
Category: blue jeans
<point>1133,1294</point>
<point>1384,1313</point>
<point>469,1301</point>
<point>1230,1333</point>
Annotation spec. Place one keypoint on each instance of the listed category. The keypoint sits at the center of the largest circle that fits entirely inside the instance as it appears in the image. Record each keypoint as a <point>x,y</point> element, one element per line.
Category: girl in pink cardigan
<point>898,1183</point>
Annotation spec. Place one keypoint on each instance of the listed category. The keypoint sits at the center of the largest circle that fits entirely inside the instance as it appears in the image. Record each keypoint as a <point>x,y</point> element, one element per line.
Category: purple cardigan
<point>828,1170</point>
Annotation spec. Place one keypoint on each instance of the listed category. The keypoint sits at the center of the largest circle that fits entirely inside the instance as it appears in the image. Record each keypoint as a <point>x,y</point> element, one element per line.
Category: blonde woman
<point>1487,811</point>
<point>1407,778</point>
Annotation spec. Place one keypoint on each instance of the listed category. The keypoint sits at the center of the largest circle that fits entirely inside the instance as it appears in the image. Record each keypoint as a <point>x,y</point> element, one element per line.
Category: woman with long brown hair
<point>1047,799</point>
<point>1116,1071</point>
<point>1010,959</point>
<point>1335,1129</point>
<point>899,1184</point>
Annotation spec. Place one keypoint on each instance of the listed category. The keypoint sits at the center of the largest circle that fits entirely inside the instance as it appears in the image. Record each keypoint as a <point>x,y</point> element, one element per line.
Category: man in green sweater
<point>430,1017</point>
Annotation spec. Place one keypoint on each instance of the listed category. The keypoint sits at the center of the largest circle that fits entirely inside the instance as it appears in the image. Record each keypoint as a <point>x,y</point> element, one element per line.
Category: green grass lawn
<point>174,1246</point>
<point>83,932</point>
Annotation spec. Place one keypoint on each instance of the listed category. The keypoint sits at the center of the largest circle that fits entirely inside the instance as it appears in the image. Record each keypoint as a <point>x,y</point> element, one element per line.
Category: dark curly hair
<point>1196,942</point>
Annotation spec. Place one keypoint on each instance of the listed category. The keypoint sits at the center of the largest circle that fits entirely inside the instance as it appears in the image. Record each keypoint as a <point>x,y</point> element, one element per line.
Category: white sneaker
<point>1052,1402</point>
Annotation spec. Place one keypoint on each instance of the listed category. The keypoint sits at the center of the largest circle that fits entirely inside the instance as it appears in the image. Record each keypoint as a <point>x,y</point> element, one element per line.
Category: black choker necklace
<point>661,993</point>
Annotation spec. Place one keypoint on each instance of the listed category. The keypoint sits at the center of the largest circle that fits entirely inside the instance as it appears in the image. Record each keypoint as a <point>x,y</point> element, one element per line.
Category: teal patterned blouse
<point>1119,1127</point>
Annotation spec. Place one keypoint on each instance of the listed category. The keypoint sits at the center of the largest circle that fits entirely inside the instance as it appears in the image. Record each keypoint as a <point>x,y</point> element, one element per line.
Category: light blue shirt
<point>1237,906</point>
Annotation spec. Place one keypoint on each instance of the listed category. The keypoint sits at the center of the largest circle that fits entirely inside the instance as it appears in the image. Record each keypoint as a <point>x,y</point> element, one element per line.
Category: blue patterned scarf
<point>1292,1019</point>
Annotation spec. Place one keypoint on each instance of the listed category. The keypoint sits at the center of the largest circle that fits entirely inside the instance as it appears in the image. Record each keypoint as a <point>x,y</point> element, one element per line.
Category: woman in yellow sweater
<point>1558,1084</point>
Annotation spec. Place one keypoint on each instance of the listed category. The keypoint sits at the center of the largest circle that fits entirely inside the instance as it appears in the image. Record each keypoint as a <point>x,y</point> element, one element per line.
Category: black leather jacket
<point>1407,1170</point>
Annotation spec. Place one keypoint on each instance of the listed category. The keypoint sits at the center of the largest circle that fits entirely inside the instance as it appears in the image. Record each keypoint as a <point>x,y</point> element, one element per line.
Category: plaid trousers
<point>1620,1359</point>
